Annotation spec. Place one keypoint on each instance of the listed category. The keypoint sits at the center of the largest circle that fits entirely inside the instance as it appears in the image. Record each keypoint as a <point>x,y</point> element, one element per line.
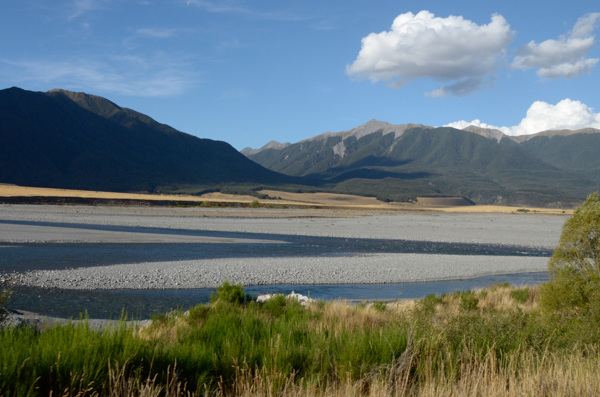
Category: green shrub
<point>276,305</point>
<point>521,295</point>
<point>231,293</point>
<point>427,305</point>
<point>501,285</point>
<point>199,312</point>
<point>4,296</point>
<point>468,301</point>
<point>574,269</point>
<point>254,204</point>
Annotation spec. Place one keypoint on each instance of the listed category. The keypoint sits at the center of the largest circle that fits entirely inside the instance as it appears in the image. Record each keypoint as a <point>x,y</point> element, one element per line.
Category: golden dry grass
<point>575,374</point>
<point>338,315</point>
<point>329,200</point>
<point>23,191</point>
<point>490,300</point>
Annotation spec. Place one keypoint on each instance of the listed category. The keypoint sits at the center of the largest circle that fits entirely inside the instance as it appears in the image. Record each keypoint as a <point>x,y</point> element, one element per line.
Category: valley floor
<point>85,247</point>
<point>311,201</point>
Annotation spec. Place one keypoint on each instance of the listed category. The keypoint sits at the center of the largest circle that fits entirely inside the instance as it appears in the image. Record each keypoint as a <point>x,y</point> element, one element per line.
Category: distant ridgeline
<point>64,139</point>
<point>71,140</point>
<point>402,162</point>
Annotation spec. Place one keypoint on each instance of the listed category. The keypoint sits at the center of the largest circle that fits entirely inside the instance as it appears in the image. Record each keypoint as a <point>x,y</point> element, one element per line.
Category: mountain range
<point>400,162</point>
<point>65,139</point>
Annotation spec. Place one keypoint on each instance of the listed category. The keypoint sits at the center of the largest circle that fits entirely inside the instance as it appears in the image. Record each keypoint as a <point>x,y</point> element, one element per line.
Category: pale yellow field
<point>22,191</point>
<point>341,201</point>
<point>327,199</point>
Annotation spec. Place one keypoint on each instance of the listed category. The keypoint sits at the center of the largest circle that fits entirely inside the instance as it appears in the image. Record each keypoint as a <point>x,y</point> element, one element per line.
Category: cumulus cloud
<point>565,57</point>
<point>422,46</point>
<point>542,116</point>
<point>477,123</point>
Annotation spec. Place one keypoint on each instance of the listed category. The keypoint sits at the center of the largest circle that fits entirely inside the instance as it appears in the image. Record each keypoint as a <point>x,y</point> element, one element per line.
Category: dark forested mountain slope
<point>408,160</point>
<point>73,140</point>
<point>576,152</point>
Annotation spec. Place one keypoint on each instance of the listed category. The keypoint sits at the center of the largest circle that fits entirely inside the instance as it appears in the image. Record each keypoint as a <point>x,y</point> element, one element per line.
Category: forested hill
<point>74,140</point>
<point>402,161</point>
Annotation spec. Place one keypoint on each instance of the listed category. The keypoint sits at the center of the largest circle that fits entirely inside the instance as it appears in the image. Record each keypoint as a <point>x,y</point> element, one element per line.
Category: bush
<point>520,295</point>
<point>231,293</point>
<point>4,296</point>
<point>574,269</point>
<point>254,204</point>
<point>468,301</point>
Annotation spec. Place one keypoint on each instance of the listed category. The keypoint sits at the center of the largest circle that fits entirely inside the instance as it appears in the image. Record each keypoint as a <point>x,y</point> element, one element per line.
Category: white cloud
<point>542,116</point>
<point>233,7</point>
<point>477,123</point>
<point>564,57</point>
<point>83,6</point>
<point>422,46</point>
<point>126,75</point>
<point>156,32</point>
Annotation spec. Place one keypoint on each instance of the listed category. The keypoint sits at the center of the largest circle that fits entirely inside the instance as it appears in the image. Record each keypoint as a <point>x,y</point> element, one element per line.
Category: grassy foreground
<point>490,342</point>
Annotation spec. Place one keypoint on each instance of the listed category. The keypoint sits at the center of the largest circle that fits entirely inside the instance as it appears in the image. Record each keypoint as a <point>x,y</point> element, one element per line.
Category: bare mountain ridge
<point>551,133</point>
<point>368,128</point>
<point>487,132</point>
<point>474,162</point>
<point>271,145</point>
<point>385,128</point>
<point>498,135</point>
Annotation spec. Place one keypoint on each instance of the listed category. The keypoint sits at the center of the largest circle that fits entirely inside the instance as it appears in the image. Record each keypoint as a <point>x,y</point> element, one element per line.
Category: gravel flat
<point>514,229</point>
<point>38,232</point>
<point>377,268</point>
<point>142,231</point>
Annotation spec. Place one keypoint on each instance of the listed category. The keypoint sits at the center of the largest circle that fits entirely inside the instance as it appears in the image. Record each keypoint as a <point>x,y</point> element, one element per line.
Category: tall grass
<point>491,341</point>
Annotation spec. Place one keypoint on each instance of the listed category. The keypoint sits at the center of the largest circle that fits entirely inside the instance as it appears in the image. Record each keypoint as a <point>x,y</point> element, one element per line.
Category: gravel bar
<point>139,229</point>
<point>368,269</point>
<point>513,229</point>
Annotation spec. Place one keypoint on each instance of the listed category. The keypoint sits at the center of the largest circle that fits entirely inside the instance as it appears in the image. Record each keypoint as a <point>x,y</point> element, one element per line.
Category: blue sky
<point>251,72</point>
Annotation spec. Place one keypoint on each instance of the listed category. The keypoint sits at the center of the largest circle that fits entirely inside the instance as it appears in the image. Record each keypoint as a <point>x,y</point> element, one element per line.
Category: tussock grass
<point>488,342</point>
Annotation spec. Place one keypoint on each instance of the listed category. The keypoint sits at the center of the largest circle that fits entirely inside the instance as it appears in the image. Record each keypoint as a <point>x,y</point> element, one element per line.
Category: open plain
<point>103,247</point>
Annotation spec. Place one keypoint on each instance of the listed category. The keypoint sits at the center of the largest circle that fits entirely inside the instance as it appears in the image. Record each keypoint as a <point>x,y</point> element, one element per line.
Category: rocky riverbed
<point>84,247</point>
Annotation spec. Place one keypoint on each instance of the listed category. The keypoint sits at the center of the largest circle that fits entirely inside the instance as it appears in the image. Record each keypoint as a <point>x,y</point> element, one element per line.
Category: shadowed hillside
<point>73,140</point>
<point>575,152</point>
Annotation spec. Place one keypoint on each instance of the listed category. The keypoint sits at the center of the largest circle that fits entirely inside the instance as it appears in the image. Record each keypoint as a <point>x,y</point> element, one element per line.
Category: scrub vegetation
<point>493,341</point>
<point>496,341</point>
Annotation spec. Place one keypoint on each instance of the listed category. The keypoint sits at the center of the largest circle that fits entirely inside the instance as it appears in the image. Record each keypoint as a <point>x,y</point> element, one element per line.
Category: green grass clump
<point>520,295</point>
<point>4,297</point>
<point>230,293</point>
<point>209,345</point>
<point>468,301</point>
<point>254,204</point>
<point>234,344</point>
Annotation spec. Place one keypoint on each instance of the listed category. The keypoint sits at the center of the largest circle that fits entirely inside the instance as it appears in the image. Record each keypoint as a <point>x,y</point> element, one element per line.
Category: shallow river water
<point>60,245</point>
<point>142,304</point>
